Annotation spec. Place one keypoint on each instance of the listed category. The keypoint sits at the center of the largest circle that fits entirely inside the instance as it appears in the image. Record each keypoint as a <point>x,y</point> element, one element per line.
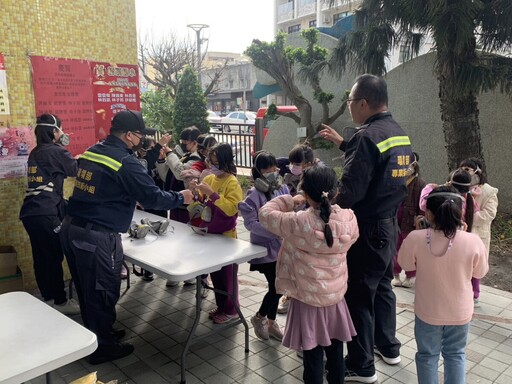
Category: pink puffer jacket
<point>307,269</point>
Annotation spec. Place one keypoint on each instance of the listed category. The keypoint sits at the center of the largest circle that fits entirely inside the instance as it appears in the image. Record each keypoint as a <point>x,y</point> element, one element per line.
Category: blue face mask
<point>216,171</point>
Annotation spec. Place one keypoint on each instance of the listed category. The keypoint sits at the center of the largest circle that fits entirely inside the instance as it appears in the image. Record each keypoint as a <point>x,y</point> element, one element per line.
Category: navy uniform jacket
<point>110,180</point>
<point>375,172</point>
<point>48,166</point>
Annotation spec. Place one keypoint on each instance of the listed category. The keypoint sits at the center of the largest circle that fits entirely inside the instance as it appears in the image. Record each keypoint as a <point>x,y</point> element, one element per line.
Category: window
<point>338,16</point>
<point>312,23</point>
<point>294,28</point>
<point>404,54</point>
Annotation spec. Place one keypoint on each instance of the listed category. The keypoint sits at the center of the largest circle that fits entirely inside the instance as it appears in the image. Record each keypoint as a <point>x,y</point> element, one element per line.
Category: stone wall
<point>414,103</point>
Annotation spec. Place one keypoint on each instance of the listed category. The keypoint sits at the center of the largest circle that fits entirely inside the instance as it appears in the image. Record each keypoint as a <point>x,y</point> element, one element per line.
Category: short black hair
<point>301,153</point>
<point>45,125</point>
<point>262,160</point>
<point>475,164</point>
<point>190,133</point>
<point>373,89</point>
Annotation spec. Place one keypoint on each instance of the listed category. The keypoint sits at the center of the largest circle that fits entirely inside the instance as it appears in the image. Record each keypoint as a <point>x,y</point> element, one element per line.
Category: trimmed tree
<point>287,65</point>
<point>468,36</point>
<point>190,104</point>
<point>157,109</point>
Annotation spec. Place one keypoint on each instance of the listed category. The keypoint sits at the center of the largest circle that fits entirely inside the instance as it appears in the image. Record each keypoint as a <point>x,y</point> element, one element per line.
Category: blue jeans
<point>450,340</point>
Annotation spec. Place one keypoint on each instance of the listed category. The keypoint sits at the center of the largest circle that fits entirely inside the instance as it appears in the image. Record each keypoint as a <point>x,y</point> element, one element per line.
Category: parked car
<point>213,119</point>
<point>238,117</point>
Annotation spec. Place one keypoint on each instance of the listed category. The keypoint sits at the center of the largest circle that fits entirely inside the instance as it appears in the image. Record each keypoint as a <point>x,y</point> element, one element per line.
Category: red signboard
<point>63,87</point>
<point>115,88</point>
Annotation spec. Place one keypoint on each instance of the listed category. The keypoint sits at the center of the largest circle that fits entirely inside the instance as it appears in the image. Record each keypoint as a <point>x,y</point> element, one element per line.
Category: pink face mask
<point>216,171</point>
<point>295,169</point>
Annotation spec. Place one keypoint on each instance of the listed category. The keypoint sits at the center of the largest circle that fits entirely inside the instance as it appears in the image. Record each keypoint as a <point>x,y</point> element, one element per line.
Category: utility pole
<point>198,28</point>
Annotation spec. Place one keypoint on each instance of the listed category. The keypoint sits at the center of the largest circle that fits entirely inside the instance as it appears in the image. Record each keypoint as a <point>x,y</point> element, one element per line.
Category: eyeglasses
<point>355,99</point>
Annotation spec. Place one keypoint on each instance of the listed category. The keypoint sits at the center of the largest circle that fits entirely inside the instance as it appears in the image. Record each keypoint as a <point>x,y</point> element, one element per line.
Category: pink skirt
<point>308,326</point>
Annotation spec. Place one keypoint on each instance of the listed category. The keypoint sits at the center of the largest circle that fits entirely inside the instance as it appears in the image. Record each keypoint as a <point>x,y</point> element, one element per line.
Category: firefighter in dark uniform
<point>110,180</point>
<point>373,185</point>
<point>43,209</point>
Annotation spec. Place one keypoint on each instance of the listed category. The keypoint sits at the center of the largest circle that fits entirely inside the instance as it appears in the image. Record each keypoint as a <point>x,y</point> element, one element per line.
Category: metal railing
<point>243,138</point>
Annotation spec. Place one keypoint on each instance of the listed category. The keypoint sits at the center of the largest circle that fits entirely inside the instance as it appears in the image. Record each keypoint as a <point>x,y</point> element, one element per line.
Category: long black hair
<point>321,185</point>
<point>225,157</point>
<point>301,154</point>
<point>445,203</point>
<point>46,124</point>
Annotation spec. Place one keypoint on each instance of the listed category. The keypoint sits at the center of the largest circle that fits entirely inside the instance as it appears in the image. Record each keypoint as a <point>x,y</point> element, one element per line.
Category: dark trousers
<point>370,298</point>
<point>223,280</point>
<point>47,255</point>
<point>270,301</point>
<point>314,364</point>
<point>95,260</point>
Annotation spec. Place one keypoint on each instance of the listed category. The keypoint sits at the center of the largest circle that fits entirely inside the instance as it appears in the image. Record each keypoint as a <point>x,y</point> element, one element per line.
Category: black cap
<point>125,121</point>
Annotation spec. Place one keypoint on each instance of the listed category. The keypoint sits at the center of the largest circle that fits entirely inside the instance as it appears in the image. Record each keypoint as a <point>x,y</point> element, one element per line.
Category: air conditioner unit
<point>327,19</point>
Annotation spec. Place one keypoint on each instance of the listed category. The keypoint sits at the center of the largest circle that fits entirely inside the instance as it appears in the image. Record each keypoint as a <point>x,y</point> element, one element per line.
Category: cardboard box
<point>8,260</point>
<point>12,283</point>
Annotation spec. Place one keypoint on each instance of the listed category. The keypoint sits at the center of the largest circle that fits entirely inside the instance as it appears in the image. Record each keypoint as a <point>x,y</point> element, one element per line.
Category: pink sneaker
<point>222,318</point>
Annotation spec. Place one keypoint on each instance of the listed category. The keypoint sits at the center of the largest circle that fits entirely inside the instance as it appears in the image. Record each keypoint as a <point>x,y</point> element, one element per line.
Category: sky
<point>232,23</point>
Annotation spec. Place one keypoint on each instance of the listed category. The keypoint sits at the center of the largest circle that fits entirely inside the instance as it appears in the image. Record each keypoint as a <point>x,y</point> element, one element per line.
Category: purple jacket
<point>249,210</point>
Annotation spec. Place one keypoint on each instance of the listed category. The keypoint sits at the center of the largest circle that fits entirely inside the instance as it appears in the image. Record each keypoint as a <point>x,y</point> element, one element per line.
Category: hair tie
<point>325,194</point>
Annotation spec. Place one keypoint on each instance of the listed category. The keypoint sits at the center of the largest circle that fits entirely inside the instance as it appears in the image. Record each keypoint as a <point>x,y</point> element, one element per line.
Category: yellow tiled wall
<point>80,29</point>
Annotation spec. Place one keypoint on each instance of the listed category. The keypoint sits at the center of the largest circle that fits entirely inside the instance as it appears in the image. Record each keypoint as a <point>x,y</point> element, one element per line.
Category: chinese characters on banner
<point>4,98</point>
<point>63,87</point>
<point>115,88</point>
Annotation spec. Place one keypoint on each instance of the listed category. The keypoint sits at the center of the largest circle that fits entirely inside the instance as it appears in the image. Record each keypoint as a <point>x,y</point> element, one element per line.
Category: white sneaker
<point>70,307</point>
<point>171,283</point>
<point>274,330</point>
<point>409,282</point>
<point>260,325</point>
<point>192,281</point>
<point>284,304</point>
<point>388,360</point>
<point>396,282</point>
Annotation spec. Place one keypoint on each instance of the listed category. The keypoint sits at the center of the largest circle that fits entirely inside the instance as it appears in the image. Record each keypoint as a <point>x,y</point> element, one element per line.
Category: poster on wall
<point>115,88</point>
<point>4,97</point>
<point>15,145</point>
<point>63,87</point>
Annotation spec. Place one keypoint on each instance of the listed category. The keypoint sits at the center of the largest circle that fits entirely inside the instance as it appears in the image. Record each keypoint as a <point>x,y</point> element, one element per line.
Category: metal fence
<point>243,138</point>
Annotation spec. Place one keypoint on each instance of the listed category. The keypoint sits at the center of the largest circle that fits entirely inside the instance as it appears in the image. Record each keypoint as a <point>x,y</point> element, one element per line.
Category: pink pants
<point>224,281</point>
<point>396,267</point>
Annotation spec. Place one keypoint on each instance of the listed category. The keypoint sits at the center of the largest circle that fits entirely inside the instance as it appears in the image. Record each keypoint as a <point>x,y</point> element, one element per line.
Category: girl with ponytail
<point>445,258</point>
<point>312,270</point>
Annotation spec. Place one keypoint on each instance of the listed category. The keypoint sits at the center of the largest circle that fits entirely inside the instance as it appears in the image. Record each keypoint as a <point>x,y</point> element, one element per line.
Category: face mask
<point>475,179</point>
<point>64,139</point>
<point>184,148</point>
<point>295,169</point>
<point>411,170</point>
<point>216,171</point>
<point>270,182</point>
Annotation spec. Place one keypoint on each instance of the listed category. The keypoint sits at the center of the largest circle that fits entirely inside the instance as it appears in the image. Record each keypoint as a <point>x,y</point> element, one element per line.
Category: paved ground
<point>156,319</point>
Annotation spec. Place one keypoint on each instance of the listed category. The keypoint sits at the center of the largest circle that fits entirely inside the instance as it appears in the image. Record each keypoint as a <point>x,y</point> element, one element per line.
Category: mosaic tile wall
<point>80,29</point>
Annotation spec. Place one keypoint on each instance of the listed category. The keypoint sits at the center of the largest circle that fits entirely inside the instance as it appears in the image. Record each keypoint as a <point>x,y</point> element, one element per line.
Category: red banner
<point>115,88</point>
<point>63,87</point>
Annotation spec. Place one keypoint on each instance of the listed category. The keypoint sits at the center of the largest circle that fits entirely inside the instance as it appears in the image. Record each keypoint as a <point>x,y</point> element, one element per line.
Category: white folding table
<point>36,339</point>
<point>182,254</point>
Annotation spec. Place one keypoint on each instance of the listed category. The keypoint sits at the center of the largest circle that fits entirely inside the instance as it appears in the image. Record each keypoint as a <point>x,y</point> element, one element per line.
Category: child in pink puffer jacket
<point>312,270</point>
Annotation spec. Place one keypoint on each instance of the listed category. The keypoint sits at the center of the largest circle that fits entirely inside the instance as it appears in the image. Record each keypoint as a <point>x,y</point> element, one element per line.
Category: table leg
<point>199,299</point>
<point>48,377</point>
<point>237,307</point>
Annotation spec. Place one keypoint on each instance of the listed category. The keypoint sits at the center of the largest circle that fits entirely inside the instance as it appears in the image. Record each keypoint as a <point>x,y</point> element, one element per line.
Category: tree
<point>283,63</point>
<point>468,36</point>
<point>190,104</point>
<point>157,109</point>
<point>162,60</point>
